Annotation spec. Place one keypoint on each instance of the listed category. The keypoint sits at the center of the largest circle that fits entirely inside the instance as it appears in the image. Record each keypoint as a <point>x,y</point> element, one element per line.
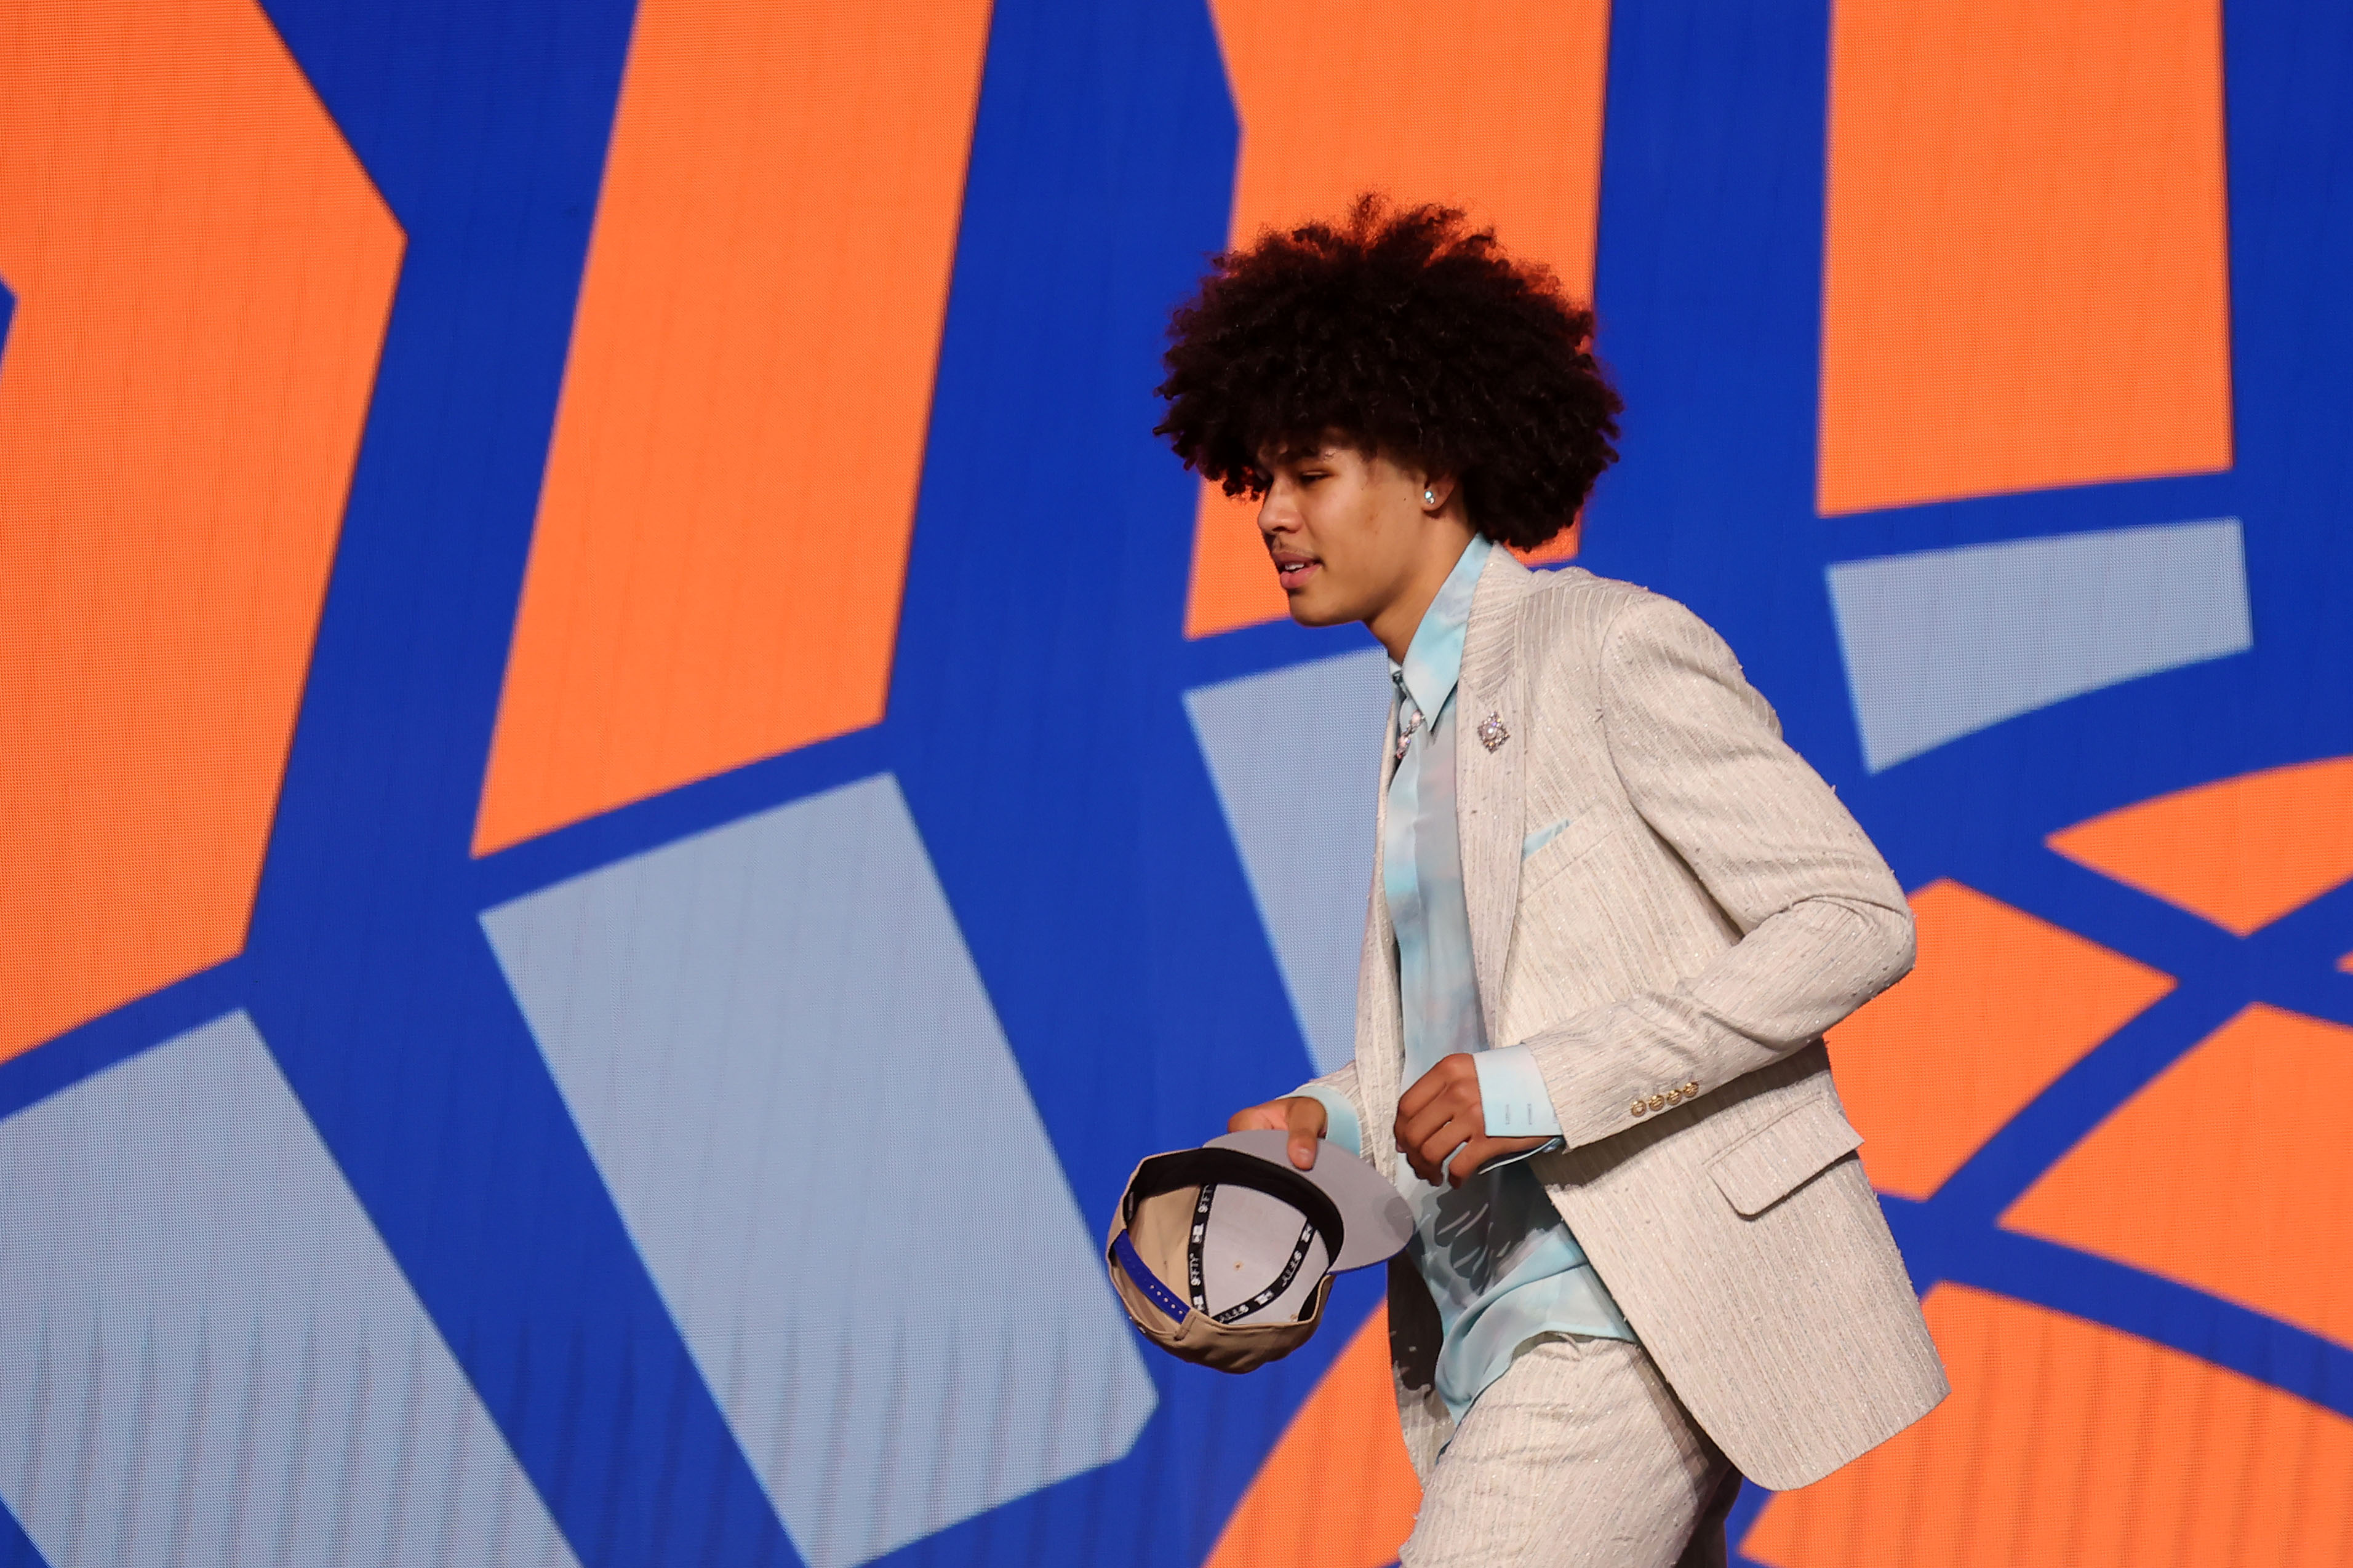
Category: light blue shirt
<point>1499,1261</point>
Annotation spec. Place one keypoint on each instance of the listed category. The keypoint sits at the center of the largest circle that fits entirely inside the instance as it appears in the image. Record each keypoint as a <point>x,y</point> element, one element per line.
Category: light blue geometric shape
<point>781,1057</point>
<point>1942,643</point>
<point>207,1356</point>
<point>1296,757</point>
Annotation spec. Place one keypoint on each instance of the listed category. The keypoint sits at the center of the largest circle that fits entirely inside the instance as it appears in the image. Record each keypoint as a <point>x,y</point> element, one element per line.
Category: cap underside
<point>1249,1240</point>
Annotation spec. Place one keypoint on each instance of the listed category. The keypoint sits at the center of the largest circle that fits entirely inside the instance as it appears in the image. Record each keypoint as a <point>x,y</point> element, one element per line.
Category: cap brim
<point>1375,1219</point>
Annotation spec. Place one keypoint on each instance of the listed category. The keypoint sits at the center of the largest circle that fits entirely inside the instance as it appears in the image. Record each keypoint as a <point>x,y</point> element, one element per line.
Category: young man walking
<point>1612,916</point>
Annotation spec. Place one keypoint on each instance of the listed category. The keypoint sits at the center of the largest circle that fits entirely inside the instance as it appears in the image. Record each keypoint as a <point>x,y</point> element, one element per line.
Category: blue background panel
<point>1087,793</point>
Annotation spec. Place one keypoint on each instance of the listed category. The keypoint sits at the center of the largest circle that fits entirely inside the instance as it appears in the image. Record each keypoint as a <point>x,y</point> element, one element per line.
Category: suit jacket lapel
<point>1489,788</point>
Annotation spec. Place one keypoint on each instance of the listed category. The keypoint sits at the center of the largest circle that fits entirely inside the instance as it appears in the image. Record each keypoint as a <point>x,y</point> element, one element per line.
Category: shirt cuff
<point>1513,1094</point>
<point>1344,1130</point>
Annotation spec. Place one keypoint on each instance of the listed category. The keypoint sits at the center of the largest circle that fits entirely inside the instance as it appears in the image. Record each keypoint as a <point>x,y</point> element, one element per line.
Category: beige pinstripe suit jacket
<point>1708,911</point>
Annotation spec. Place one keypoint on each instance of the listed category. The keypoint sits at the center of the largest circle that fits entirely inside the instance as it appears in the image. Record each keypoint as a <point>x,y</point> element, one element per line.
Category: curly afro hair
<point>1411,333</point>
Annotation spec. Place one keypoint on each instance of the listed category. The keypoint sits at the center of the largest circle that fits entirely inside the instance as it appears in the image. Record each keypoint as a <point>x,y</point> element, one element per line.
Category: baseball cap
<point>1224,1254</point>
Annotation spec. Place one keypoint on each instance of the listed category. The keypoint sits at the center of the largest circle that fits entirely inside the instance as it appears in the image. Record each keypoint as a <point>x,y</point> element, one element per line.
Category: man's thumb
<point>1304,1118</point>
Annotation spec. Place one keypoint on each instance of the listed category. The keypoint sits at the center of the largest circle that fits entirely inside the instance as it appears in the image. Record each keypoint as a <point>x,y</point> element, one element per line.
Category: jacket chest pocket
<point>1550,850</point>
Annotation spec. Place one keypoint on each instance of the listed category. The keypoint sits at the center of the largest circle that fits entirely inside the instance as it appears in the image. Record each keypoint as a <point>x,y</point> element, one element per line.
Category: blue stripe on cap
<point>1148,1282</point>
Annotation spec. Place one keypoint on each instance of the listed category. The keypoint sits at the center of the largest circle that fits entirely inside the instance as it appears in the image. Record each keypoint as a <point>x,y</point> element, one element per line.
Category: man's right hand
<point>1301,1115</point>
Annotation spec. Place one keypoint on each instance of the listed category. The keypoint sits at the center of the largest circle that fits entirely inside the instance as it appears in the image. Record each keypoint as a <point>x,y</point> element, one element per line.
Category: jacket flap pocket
<point>1774,1160</point>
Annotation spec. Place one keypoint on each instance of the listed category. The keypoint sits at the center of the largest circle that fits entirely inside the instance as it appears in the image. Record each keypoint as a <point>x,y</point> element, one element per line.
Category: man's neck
<point>1394,623</point>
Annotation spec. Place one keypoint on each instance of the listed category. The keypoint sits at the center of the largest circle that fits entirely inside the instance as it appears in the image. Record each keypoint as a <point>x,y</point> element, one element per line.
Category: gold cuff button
<point>1692,1088</point>
<point>1639,1107</point>
<point>1658,1102</point>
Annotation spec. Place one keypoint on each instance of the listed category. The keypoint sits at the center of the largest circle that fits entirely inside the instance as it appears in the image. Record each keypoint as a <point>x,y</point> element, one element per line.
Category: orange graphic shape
<point>1999,1004</point>
<point>723,535</point>
<point>2240,852</point>
<point>2066,1442</point>
<point>2025,271</point>
<point>1562,546</point>
<point>203,274</point>
<point>1494,106</point>
<point>1337,1491</point>
<point>2228,1173</point>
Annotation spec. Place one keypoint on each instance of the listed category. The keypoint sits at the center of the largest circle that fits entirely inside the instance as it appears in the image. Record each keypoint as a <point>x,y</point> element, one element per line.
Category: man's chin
<point>1312,609</point>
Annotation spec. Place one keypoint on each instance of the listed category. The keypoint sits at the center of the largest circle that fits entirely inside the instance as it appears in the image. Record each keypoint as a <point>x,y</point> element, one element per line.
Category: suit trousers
<point>1579,1456</point>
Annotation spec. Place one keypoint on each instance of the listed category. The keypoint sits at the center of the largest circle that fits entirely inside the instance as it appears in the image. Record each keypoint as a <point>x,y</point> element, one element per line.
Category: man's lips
<point>1294,572</point>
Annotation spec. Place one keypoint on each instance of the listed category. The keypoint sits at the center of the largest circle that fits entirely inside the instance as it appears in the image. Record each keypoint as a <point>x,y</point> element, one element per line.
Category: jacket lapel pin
<point>1492,732</point>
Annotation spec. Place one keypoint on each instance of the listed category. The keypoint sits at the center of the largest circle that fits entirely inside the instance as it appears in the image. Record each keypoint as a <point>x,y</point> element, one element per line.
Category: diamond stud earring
<point>1428,498</point>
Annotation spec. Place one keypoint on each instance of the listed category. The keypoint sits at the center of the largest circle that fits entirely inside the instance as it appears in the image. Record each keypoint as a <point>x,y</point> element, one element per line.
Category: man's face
<point>1346,528</point>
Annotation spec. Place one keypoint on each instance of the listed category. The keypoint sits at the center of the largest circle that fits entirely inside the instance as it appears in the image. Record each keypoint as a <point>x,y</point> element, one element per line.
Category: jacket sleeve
<point>1824,927</point>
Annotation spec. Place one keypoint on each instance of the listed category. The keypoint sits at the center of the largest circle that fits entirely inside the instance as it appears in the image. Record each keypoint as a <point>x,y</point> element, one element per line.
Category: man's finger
<point>1412,1129</point>
<point>1424,1088</point>
<point>1414,1126</point>
<point>1434,1082</point>
<point>1248,1120</point>
<point>1475,1156</point>
<point>1474,1153</point>
<point>1307,1122</point>
<point>1436,1149</point>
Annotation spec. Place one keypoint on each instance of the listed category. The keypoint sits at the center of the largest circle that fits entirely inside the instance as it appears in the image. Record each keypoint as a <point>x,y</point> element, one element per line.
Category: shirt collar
<point>1433,660</point>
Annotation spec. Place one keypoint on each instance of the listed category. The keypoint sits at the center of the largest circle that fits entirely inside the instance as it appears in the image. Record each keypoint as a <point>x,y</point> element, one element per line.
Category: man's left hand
<point>1441,1125</point>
